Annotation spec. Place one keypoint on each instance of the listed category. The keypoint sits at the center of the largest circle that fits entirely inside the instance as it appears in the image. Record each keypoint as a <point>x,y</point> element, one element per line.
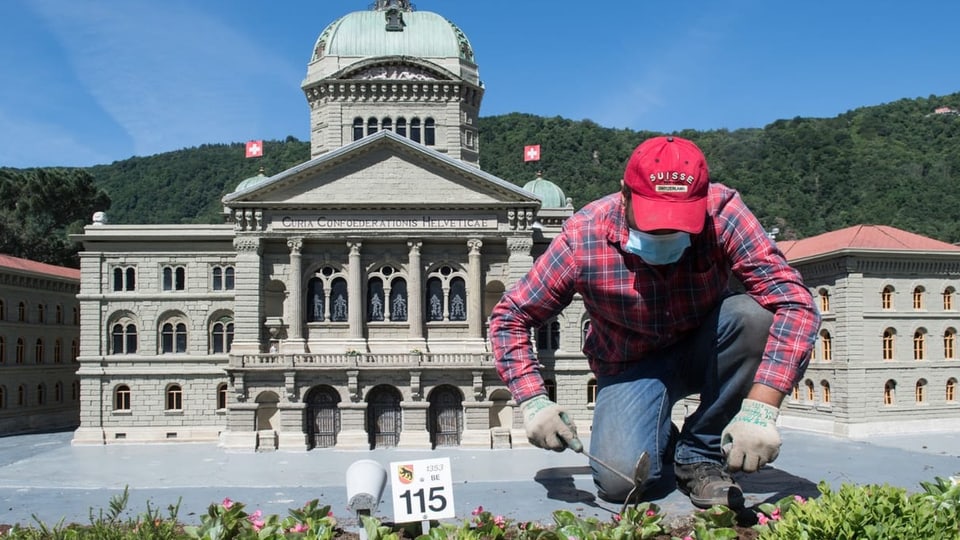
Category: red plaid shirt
<point>636,308</point>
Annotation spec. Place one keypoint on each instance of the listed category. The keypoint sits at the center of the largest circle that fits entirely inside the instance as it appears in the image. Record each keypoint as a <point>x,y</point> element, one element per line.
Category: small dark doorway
<point>446,416</point>
<point>323,417</point>
<point>384,421</point>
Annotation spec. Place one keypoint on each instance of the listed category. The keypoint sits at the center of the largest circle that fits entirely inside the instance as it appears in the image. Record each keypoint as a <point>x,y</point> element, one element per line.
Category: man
<point>653,265</point>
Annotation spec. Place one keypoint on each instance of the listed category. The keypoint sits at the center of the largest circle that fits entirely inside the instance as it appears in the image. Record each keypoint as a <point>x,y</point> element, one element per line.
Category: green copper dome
<point>393,28</point>
<point>550,193</point>
<point>249,182</point>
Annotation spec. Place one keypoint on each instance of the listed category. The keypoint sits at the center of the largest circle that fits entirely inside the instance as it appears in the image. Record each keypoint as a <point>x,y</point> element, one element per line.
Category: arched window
<point>376,302</point>
<point>22,312</point>
<point>949,344</point>
<point>584,332</point>
<point>446,294</point>
<point>795,393</point>
<point>38,352</point>
<point>222,335</point>
<point>888,344</point>
<point>3,397</point>
<point>398,299</point>
<point>74,350</point>
<point>415,129</point>
<point>222,396</point>
<point>889,390</point>
<point>551,386</point>
<point>825,391</point>
<point>827,344</point>
<point>357,128</point>
<point>58,392</point>
<point>21,396</point>
<point>948,294</point>
<point>824,300</point>
<point>919,345</point>
<point>951,393</point>
<point>322,306</point>
<point>76,316</point>
<point>124,278</point>
<point>59,314</point>
<point>58,351</point>
<point>173,337</point>
<point>811,393</point>
<point>920,391</point>
<point>386,124</point>
<point>592,391</point>
<point>41,394</point>
<point>174,278</point>
<point>3,350</point>
<point>402,126</point>
<point>41,313</point>
<point>121,398</point>
<point>548,336</point>
<point>918,298</point>
<point>124,338</point>
<point>371,125</point>
<point>19,351</point>
<point>222,277</point>
<point>429,132</point>
<point>174,401</point>
<point>886,298</point>
<point>3,311</point>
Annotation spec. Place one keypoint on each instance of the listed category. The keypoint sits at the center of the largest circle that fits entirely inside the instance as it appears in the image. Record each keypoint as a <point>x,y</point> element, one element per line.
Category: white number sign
<point>422,490</point>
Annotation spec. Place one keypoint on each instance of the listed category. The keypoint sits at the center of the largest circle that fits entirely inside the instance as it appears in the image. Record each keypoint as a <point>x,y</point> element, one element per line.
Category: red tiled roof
<point>26,265</point>
<point>866,237</point>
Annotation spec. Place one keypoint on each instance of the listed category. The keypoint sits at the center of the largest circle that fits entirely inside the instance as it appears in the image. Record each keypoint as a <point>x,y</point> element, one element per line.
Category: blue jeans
<point>632,412</point>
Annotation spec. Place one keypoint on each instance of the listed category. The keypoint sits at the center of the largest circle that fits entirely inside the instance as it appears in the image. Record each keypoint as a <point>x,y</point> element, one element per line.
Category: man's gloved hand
<point>548,425</point>
<point>751,439</point>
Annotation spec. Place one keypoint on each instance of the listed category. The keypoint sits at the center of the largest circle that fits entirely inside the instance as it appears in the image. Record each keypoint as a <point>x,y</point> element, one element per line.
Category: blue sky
<point>86,82</point>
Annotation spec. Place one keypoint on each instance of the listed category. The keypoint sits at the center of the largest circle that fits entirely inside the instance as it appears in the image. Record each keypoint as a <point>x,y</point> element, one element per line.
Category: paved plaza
<point>46,476</point>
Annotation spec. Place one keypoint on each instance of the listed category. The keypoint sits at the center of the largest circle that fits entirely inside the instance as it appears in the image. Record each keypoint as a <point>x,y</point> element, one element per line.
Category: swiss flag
<point>254,148</point>
<point>531,152</point>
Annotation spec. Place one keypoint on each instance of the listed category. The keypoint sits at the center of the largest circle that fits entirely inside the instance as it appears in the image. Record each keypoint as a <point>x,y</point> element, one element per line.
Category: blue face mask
<point>658,248</point>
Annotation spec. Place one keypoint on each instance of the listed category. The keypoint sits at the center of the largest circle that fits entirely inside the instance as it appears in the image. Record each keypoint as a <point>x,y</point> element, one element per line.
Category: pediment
<point>383,171</point>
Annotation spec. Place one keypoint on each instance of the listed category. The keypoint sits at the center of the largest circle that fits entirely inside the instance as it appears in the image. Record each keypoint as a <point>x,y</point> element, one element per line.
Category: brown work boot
<point>708,484</point>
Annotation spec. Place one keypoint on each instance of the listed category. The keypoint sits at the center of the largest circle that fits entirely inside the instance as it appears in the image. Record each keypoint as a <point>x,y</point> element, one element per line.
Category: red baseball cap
<point>668,180</point>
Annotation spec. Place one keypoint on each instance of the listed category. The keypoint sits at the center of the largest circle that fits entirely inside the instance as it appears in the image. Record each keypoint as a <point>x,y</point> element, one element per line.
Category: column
<point>474,289</point>
<point>247,296</point>
<point>355,291</point>
<point>294,318</point>
<point>415,291</point>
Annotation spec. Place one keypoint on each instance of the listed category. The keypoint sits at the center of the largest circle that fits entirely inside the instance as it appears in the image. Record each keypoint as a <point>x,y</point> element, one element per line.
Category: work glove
<point>751,439</point>
<point>548,425</point>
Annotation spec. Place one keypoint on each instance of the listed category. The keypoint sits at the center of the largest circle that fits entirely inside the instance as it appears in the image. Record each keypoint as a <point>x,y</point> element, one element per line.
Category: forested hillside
<point>895,164</point>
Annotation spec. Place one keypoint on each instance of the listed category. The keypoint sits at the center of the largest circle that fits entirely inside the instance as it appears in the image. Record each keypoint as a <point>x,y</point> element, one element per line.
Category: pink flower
<point>227,503</point>
<point>500,521</point>
<point>775,515</point>
<point>616,518</point>
<point>799,499</point>
<point>477,511</point>
<point>256,519</point>
<point>299,528</point>
<point>762,518</point>
<point>650,513</point>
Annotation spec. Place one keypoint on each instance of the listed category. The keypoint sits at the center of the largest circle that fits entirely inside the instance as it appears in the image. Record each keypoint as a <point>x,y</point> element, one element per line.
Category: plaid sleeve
<point>537,297</point>
<point>763,270</point>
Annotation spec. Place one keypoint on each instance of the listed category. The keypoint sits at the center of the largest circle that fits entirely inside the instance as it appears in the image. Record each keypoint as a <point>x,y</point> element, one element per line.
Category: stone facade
<point>39,345</point>
<point>344,303</point>
<point>886,360</point>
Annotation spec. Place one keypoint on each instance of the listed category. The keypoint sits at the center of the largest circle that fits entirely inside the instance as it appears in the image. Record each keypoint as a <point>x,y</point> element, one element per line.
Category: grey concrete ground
<point>44,475</point>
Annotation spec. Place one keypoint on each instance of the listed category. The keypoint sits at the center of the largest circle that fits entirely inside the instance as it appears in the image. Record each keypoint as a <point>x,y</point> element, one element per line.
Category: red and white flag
<point>254,148</point>
<point>531,152</point>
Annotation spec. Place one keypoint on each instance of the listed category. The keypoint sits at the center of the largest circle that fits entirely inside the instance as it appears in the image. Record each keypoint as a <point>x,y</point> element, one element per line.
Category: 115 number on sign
<point>422,490</point>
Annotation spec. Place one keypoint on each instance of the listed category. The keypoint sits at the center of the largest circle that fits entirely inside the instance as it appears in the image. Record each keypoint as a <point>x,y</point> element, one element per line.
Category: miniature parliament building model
<point>344,303</point>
